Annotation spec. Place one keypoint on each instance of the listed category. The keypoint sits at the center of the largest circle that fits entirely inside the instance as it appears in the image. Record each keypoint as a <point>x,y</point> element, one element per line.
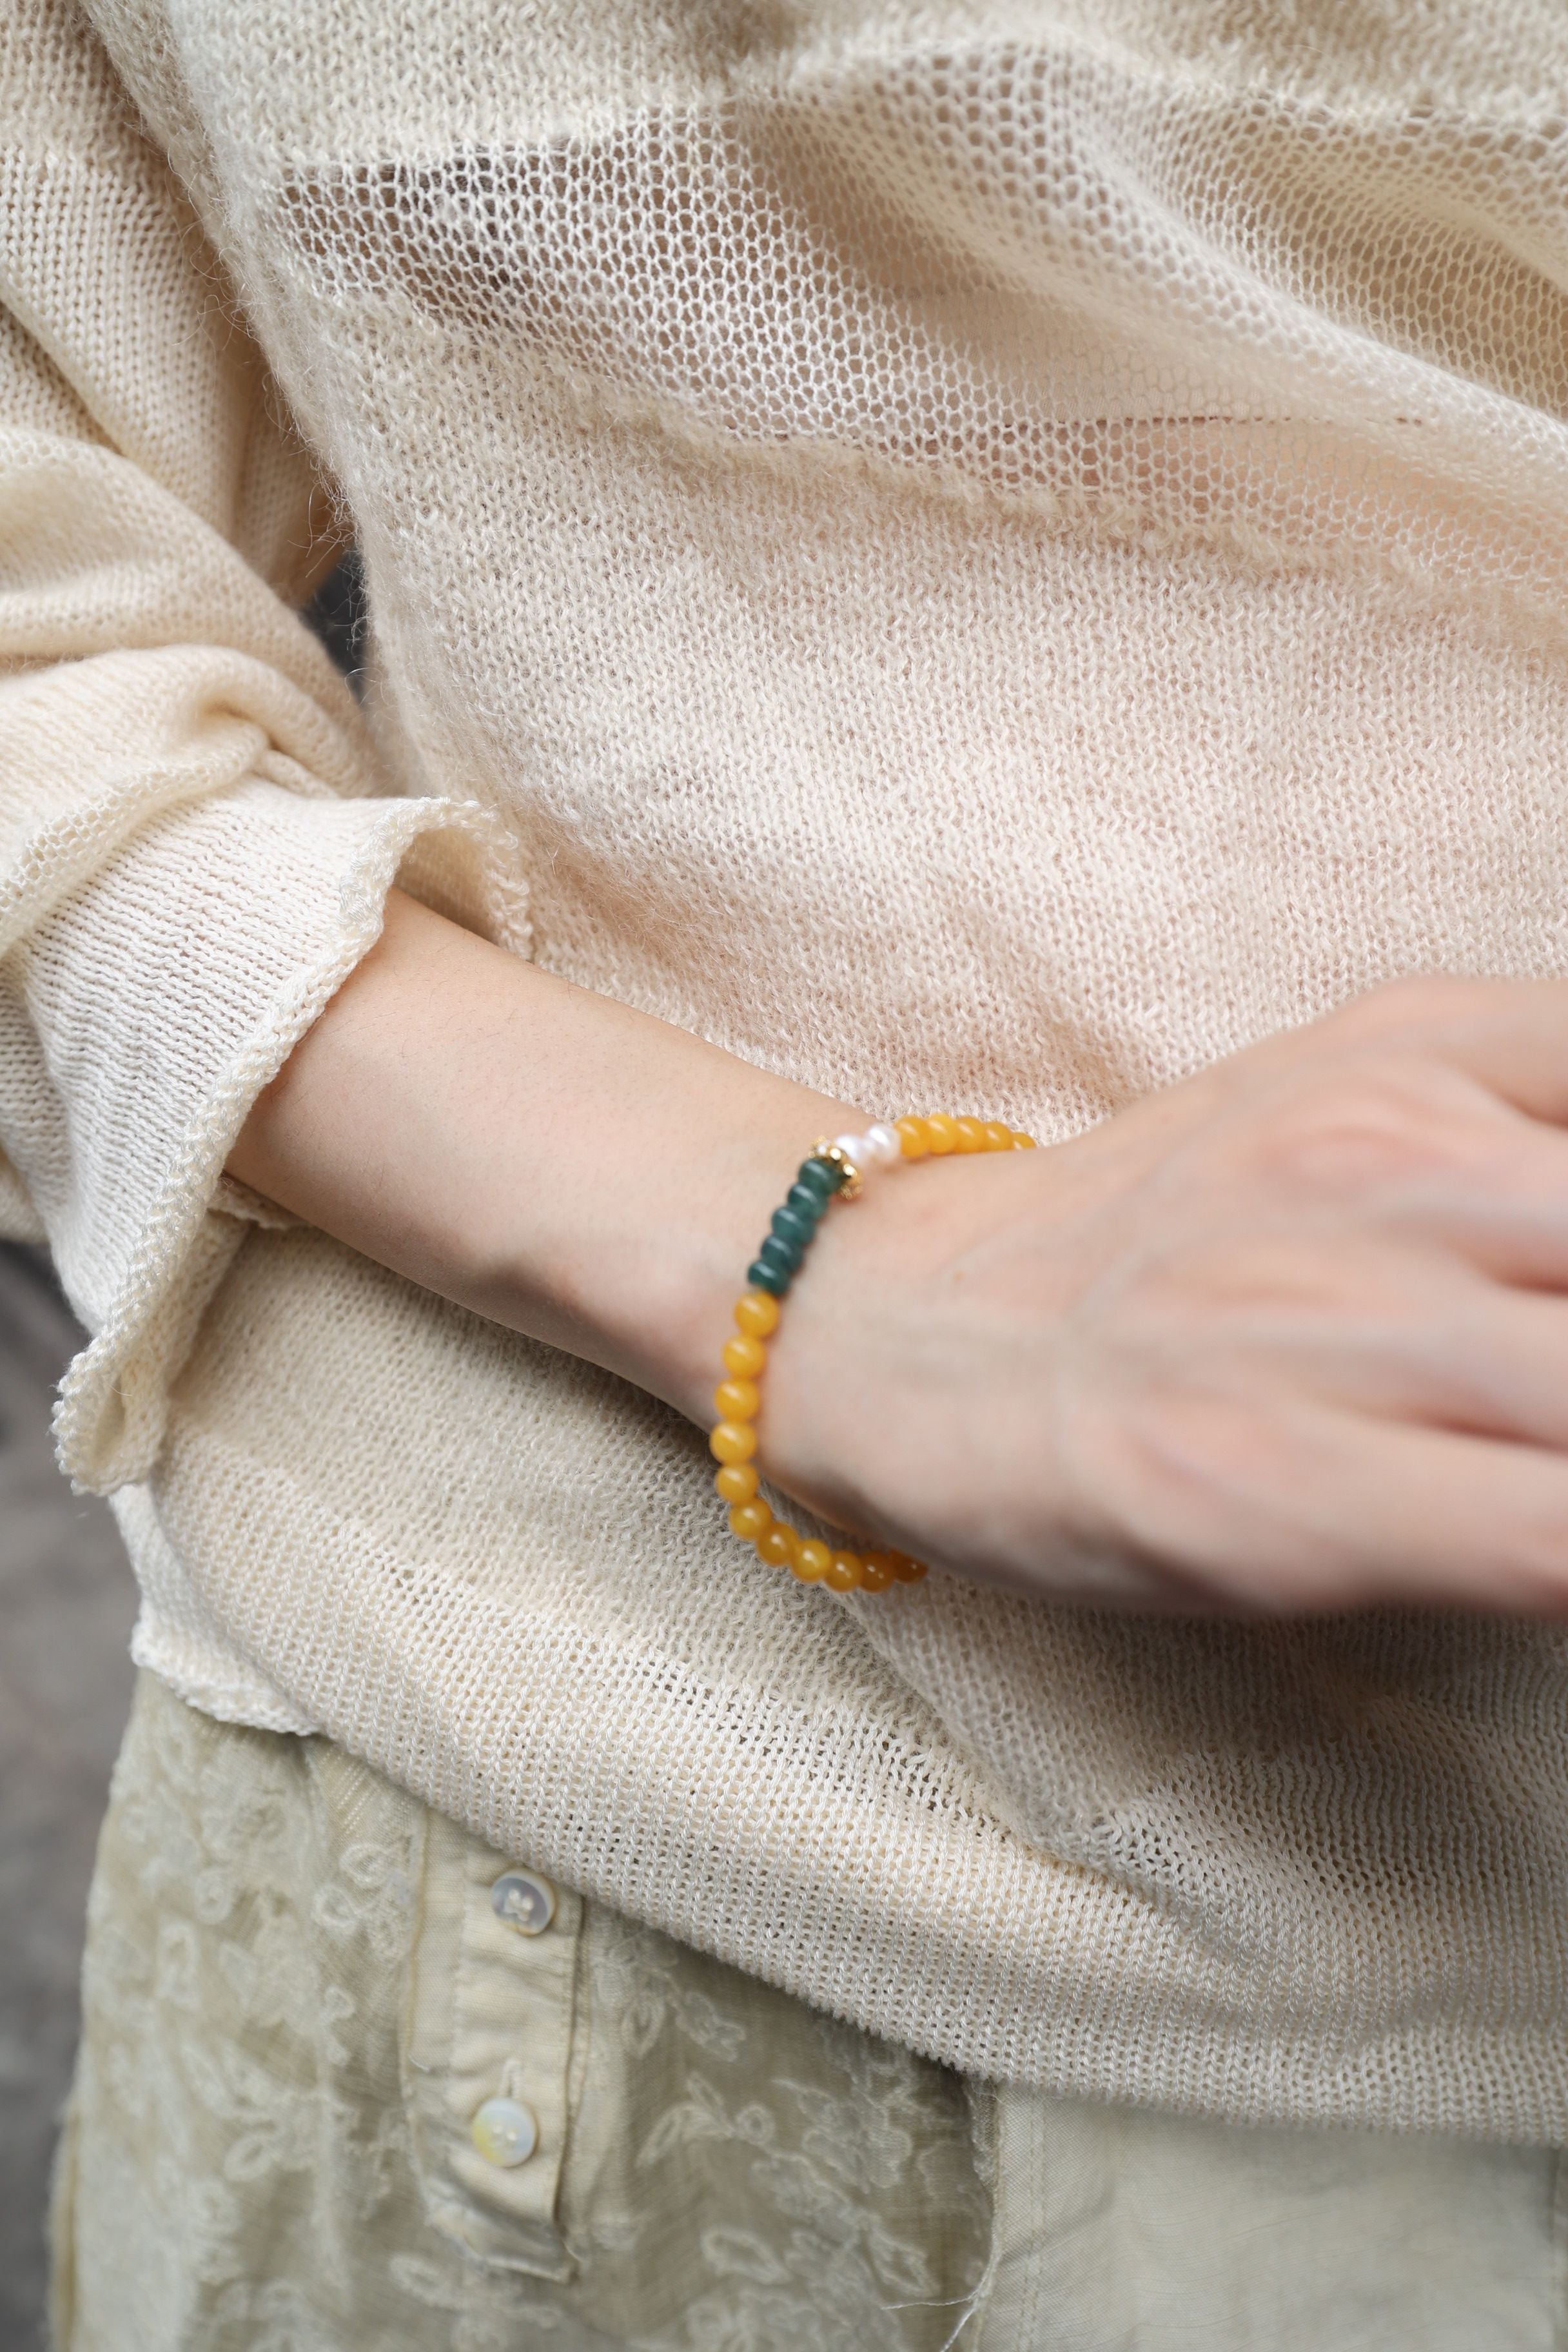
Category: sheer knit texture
<point>976,556</point>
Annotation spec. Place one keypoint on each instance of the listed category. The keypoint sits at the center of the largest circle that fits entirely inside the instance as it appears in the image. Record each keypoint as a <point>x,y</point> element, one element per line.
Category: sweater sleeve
<point>193,848</point>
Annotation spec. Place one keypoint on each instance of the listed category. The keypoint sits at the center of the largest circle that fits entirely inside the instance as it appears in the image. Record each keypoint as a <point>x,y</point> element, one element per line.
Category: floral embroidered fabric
<point>257,2158</point>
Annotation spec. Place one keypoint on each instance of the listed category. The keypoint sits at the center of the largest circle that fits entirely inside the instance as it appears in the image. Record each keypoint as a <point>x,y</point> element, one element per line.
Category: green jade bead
<point>794,1225</point>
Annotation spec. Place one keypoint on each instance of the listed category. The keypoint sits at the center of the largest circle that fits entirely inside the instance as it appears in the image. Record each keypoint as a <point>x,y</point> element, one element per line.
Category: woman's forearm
<point>575,1169</point>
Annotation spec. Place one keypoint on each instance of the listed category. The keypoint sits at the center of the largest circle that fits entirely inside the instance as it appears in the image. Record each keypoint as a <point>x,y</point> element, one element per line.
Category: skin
<point>1291,1336</point>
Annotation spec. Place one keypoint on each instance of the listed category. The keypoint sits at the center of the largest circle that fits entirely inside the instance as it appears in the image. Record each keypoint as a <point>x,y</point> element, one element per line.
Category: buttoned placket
<point>487,2052</point>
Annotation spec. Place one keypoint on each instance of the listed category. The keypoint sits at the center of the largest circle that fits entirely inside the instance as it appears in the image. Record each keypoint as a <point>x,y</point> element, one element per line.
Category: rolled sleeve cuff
<point>147,1012</point>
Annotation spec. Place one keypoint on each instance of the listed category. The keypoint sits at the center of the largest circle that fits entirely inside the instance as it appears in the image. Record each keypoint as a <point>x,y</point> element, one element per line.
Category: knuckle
<point>1352,1132</point>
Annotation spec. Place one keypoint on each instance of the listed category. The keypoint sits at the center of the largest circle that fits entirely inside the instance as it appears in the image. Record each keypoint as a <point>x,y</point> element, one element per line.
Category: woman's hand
<point>1291,1336</point>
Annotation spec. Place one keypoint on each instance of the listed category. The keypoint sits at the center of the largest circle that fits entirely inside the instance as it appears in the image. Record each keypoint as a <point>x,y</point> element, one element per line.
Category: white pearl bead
<point>853,1147</point>
<point>883,1145</point>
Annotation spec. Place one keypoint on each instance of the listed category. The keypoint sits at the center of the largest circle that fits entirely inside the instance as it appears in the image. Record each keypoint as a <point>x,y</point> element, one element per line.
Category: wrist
<point>640,1265</point>
<point>836,1171</point>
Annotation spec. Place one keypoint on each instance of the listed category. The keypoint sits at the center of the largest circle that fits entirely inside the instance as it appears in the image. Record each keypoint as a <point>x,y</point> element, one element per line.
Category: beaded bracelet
<point>835,1170</point>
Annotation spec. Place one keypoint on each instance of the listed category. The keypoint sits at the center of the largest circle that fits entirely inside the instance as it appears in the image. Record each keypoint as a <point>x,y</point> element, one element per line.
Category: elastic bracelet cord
<point>835,1170</point>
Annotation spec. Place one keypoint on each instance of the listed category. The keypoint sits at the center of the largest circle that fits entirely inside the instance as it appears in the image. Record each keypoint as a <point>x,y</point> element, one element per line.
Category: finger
<point>1510,1036</point>
<point>1444,1165</point>
<point>1355,1323</point>
<point>1398,1337</point>
<point>1500,1201</point>
<point>1331,1510</point>
<point>1478,1358</point>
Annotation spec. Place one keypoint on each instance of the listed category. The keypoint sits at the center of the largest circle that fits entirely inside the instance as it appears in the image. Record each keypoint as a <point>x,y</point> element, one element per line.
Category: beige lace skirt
<point>351,2082</point>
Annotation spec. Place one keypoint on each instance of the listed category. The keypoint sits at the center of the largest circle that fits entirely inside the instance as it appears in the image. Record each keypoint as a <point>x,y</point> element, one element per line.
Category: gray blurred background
<point>66,1602</point>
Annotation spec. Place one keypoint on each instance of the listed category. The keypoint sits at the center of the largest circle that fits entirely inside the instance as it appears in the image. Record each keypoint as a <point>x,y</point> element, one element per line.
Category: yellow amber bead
<point>756,1314</point>
<point>912,1136</point>
<point>907,1570</point>
<point>743,1358</point>
<point>737,1481</point>
<point>733,1440</point>
<point>971,1134</point>
<point>737,1400</point>
<point>998,1135</point>
<point>876,1573</point>
<point>1022,1142</point>
<point>942,1133</point>
<point>777,1545</point>
<point>748,1520</point>
<point>843,1571</point>
<point>812,1562</point>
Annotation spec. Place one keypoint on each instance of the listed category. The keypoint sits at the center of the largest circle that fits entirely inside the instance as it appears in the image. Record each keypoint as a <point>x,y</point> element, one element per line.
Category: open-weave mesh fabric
<point>975,554</point>
<point>1184,297</point>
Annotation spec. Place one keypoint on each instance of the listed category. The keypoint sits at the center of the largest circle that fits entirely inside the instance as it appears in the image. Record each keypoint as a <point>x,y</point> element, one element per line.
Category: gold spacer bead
<point>854,1183</point>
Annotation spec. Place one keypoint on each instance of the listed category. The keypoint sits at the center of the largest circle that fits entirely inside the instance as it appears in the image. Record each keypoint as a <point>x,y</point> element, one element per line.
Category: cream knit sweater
<point>980,552</point>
